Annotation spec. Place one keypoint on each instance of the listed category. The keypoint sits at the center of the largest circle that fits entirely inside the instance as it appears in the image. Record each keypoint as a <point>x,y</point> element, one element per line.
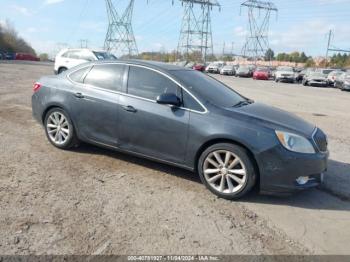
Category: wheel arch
<point>60,68</point>
<point>49,107</point>
<point>214,141</point>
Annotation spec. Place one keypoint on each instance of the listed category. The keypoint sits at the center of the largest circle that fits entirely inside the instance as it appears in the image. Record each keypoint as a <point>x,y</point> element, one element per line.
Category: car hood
<point>275,118</point>
<point>261,73</point>
<point>284,73</point>
<point>317,78</point>
<point>242,71</point>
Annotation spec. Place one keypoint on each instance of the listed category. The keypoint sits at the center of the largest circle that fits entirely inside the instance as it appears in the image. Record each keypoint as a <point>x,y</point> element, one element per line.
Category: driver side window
<point>149,84</point>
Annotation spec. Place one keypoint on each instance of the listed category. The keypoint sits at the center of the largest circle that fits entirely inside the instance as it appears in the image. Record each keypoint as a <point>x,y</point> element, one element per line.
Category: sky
<point>300,25</point>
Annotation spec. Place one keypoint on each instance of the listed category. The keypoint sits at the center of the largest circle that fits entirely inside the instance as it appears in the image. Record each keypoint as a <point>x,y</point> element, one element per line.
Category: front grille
<point>320,139</point>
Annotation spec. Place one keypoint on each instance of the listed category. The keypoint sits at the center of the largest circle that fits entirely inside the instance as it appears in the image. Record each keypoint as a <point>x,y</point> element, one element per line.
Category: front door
<point>148,128</point>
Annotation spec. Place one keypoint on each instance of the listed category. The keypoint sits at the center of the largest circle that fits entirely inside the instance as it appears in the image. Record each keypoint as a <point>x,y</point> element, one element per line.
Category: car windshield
<point>208,88</point>
<point>335,73</point>
<point>285,68</point>
<point>243,68</point>
<point>104,56</point>
<point>327,71</point>
<point>317,74</point>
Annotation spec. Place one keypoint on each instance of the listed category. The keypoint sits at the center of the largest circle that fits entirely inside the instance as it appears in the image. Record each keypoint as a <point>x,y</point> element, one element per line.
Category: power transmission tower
<point>196,38</point>
<point>257,42</point>
<point>331,48</point>
<point>120,38</point>
<point>84,43</point>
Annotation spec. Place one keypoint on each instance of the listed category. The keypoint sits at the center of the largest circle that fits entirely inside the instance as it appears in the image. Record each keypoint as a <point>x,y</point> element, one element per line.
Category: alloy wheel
<point>225,172</point>
<point>58,128</point>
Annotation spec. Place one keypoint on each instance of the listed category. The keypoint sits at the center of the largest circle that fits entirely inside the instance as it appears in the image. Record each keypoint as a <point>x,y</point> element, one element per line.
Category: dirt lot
<point>94,201</point>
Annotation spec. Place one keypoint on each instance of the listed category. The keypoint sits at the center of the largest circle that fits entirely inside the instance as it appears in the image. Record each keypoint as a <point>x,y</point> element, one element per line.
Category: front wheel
<point>59,129</point>
<point>227,170</point>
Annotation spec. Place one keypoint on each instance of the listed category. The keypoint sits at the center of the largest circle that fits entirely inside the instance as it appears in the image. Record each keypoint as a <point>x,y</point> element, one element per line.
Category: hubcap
<point>58,128</point>
<point>224,172</point>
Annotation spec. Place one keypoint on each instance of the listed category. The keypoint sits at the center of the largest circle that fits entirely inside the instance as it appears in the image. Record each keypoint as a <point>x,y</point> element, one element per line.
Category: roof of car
<point>151,64</point>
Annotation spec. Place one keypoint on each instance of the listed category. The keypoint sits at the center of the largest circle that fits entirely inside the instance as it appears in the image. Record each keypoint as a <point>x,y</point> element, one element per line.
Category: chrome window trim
<point>138,97</point>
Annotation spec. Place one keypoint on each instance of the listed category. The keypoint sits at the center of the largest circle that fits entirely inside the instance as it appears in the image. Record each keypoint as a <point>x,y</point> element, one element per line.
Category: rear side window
<point>78,76</point>
<point>87,56</point>
<point>149,84</point>
<point>108,77</point>
<point>74,54</point>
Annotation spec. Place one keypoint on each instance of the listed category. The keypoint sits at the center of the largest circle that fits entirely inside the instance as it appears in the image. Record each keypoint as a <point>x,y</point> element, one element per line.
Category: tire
<point>61,70</point>
<point>241,182</point>
<point>65,135</point>
<point>305,83</point>
<point>277,80</point>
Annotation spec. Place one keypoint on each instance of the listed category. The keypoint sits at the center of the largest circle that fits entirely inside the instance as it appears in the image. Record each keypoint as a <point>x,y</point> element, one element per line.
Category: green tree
<point>11,42</point>
<point>310,62</point>
<point>269,55</point>
<point>303,58</point>
<point>44,57</point>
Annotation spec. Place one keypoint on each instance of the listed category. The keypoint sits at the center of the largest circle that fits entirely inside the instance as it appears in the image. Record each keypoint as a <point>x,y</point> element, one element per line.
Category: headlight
<point>295,142</point>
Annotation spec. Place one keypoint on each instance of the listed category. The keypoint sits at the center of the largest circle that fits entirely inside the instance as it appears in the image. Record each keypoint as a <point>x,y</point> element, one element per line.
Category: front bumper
<point>261,77</point>
<point>280,168</point>
<point>215,71</point>
<point>346,87</point>
<point>226,73</point>
<point>243,74</point>
<point>286,78</point>
<point>318,83</point>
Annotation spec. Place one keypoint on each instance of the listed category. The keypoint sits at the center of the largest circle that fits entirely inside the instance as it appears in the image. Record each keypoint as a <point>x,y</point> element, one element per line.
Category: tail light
<point>36,87</point>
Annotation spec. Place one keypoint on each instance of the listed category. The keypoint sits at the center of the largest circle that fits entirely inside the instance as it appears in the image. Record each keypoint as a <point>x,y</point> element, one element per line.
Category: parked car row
<point>17,56</point>
<point>308,77</point>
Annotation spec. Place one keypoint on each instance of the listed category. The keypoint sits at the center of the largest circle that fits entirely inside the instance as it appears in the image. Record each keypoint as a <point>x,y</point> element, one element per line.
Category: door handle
<point>130,109</point>
<point>79,95</point>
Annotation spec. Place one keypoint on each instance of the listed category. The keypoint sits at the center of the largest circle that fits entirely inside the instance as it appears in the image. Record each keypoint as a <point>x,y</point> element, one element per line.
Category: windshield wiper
<point>244,103</point>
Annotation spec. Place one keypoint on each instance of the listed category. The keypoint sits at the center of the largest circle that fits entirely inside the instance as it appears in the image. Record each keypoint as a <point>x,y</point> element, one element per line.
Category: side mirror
<point>168,99</point>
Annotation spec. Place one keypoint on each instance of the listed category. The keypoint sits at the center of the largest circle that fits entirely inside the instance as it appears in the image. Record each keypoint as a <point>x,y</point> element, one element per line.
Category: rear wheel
<point>59,129</point>
<point>227,170</point>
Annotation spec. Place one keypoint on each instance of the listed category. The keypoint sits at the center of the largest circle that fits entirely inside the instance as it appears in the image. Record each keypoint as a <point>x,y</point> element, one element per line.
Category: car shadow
<point>308,199</point>
<point>171,170</point>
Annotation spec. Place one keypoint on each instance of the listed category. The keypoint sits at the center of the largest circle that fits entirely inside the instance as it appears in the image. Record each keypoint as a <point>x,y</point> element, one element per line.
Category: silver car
<point>316,79</point>
<point>228,70</point>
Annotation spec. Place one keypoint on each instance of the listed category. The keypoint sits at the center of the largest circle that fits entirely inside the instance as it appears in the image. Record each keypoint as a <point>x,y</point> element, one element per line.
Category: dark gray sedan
<point>184,118</point>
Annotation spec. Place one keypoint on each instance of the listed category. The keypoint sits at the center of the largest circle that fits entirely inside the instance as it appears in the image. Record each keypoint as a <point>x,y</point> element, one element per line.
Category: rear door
<point>148,128</point>
<point>95,103</point>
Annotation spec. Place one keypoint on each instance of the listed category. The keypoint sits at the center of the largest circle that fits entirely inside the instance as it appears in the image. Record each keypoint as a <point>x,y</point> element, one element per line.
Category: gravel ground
<point>95,201</point>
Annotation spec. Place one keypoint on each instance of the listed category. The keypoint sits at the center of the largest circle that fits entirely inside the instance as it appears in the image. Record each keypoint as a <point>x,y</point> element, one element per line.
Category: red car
<point>261,74</point>
<point>27,57</point>
<point>199,67</point>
